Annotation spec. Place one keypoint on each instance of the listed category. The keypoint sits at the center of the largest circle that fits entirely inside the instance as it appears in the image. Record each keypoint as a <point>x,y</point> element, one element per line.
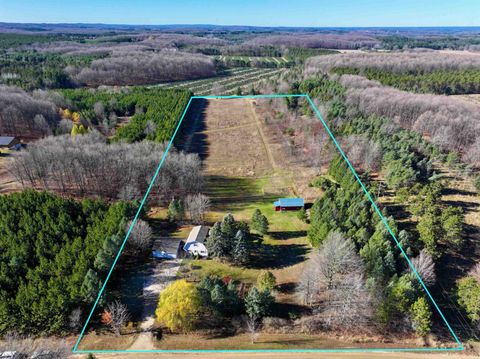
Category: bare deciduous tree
<point>425,267</point>
<point>87,165</point>
<point>118,316</point>
<point>75,319</point>
<point>196,206</point>
<point>252,326</point>
<point>140,238</point>
<point>333,282</point>
<point>18,111</point>
<point>136,68</point>
<point>99,110</point>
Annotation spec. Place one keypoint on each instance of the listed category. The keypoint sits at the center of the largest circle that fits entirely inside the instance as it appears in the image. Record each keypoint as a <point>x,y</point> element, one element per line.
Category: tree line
<point>440,82</point>
<point>138,68</point>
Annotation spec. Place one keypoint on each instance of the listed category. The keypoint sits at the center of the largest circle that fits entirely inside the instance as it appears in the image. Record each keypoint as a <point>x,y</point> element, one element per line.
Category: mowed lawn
<point>283,250</point>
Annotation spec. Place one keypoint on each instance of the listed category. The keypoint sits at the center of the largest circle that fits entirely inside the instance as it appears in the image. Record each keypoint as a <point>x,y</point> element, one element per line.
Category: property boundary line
<point>344,350</point>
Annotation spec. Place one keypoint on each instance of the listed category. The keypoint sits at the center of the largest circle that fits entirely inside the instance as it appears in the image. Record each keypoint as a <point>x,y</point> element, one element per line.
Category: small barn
<point>195,242</point>
<point>8,142</point>
<point>289,204</point>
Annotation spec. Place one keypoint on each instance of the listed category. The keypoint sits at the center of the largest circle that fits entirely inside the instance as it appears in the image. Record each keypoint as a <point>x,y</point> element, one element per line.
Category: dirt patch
<point>8,183</point>
<point>475,99</point>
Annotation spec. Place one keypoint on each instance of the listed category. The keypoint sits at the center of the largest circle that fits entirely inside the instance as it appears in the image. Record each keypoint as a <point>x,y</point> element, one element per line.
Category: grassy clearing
<point>266,341</point>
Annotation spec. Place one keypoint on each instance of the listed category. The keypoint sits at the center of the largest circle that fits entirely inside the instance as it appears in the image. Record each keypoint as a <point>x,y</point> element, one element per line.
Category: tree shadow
<point>285,235</point>
<point>289,310</point>
<point>266,256</point>
<point>191,137</point>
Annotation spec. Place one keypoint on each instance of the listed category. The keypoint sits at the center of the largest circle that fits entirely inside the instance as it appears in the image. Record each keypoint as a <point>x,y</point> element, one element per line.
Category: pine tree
<point>259,222</point>
<point>240,248</point>
<point>176,211</point>
<point>421,317</point>
<point>91,286</point>
<point>258,303</point>
<point>217,244</point>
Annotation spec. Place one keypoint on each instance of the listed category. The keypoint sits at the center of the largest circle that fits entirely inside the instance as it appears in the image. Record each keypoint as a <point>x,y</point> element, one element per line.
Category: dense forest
<point>50,264</point>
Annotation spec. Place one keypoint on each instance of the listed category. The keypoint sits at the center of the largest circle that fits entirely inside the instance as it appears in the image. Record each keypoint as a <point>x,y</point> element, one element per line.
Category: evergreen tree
<point>258,303</point>
<point>219,297</point>
<point>176,210</point>
<point>421,317</point>
<point>217,243</point>
<point>302,215</point>
<point>224,240</point>
<point>259,222</point>
<point>240,248</point>
<point>90,286</point>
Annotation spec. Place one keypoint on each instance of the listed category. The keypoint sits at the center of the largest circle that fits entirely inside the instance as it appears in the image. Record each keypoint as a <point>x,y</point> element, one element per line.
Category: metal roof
<point>198,234</point>
<point>289,202</point>
<point>6,140</point>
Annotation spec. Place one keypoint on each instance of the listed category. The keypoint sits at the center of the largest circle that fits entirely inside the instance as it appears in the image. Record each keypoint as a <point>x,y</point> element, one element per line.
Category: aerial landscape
<point>224,185</point>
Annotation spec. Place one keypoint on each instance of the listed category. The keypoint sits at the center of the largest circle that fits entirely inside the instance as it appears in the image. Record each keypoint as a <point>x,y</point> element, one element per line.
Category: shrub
<point>266,281</point>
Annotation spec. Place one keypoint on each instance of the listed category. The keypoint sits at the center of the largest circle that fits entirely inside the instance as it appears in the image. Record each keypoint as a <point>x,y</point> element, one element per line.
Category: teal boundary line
<point>344,350</point>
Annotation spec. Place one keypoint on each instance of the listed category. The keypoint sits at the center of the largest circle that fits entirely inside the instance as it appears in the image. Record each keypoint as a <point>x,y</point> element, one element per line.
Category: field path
<point>262,136</point>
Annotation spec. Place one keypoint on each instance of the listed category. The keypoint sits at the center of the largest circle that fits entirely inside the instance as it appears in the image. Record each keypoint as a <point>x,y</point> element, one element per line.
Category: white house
<point>195,242</point>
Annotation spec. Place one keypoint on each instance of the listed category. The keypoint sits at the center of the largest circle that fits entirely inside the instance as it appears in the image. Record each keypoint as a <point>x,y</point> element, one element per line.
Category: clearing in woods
<point>245,169</point>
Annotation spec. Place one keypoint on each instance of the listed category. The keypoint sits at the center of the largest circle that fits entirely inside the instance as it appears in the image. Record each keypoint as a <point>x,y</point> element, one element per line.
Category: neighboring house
<point>195,242</point>
<point>289,204</point>
<point>10,143</point>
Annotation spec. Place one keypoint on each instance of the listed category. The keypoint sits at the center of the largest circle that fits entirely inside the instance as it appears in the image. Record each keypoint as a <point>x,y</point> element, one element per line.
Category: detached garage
<point>289,204</point>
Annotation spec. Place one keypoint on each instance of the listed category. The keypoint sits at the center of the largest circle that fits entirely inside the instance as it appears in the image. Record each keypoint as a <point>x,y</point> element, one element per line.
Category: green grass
<point>284,246</point>
<point>206,268</point>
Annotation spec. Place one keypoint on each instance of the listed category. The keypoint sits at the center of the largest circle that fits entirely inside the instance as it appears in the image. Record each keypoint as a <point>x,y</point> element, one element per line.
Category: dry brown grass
<point>234,143</point>
<point>8,183</point>
<point>475,99</point>
<point>106,341</point>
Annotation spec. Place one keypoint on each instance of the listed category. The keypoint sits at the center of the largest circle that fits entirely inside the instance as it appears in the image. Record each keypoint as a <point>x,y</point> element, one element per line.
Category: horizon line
<point>250,26</point>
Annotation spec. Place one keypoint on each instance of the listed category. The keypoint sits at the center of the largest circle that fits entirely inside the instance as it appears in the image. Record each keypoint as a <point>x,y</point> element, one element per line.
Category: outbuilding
<point>289,204</point>
<point>10,143</point>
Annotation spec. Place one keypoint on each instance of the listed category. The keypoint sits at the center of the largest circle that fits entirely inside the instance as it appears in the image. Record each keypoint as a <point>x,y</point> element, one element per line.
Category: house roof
<point>198,234</point>
<point>191,246</point>
<point>289,202</point>
<point>6,140</point>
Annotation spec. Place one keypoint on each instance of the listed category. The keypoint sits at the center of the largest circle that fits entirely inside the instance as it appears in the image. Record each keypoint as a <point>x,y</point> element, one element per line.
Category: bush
<point>266,281</point>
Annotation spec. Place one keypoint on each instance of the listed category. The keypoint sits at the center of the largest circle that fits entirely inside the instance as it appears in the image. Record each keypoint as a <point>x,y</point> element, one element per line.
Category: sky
<point>319,13</point>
